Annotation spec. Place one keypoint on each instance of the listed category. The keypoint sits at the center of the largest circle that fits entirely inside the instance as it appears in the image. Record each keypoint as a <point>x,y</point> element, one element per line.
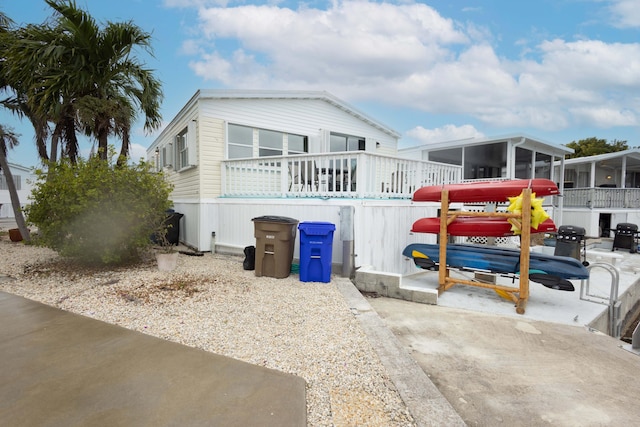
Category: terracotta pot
<point>167,261</point>
<point>14,235</point>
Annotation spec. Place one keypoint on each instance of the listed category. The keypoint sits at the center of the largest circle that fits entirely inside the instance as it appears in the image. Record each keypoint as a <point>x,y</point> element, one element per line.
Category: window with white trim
<point>182,150</point>
<point>244,141</point>
<point>17,180</point>
<point>240,141</point>
<point>270,143</point>
<point>342,142</point>
<point>297,144</point>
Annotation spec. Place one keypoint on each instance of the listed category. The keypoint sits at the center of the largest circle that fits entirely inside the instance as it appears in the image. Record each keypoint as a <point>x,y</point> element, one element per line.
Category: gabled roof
<point>526,140</point>
<point>15,166</point>
<point>293,94</point>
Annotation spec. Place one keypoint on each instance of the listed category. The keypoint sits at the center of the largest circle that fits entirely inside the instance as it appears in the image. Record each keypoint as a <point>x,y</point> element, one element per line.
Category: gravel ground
<point>211,303</point>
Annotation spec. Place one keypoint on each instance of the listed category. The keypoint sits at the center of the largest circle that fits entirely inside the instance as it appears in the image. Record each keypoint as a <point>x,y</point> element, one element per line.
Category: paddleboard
<point>495,260</point>
<point>477,226</point>
<point>486,191</point>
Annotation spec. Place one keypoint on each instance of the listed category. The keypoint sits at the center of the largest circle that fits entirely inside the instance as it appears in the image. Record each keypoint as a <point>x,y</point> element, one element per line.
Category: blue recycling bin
<point>316,247</point>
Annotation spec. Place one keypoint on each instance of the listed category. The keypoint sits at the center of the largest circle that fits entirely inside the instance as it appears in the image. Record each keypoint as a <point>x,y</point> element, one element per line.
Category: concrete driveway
<point>498,370</point>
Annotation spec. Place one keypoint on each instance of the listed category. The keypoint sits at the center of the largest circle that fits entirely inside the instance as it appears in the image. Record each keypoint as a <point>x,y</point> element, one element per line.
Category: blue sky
<point>558,70</point>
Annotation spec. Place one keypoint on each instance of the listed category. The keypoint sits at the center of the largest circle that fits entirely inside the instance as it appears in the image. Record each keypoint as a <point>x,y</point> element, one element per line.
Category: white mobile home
<point>23,178</point>
<point>236,155</point>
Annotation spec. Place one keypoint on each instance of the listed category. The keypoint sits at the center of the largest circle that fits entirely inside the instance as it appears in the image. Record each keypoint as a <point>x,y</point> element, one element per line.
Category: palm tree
<point>8,139</point>
<point>96,72</point>
<point>21,74</point>
<point>82,78</point>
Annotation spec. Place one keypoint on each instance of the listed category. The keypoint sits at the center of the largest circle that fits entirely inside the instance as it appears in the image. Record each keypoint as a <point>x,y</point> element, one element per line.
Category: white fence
<point>335,175</point>
<point>379,229</point>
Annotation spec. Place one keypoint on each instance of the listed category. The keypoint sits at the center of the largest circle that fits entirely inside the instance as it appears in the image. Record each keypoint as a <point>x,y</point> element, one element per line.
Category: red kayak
<point>477,226</point>
<point>486,191</point>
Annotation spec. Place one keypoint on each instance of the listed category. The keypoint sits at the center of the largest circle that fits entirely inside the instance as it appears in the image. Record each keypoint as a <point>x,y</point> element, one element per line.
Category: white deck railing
<point>344,174</point>
<point>622,198</point>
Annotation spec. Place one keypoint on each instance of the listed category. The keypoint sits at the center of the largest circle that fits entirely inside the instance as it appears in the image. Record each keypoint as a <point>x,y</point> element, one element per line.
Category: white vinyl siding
<point>212,152</point>
<point>306,117</point>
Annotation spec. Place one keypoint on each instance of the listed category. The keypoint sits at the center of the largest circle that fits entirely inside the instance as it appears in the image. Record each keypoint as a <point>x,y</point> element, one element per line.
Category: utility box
<point>625,237</point>
<point>173,226</point>
<point>316,250</point>
<point>568,241</point>
<point>275,242</point>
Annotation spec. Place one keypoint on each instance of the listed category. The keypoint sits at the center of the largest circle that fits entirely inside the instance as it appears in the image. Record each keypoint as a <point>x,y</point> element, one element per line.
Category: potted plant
<point>15,235</point>
<point>166,255</point>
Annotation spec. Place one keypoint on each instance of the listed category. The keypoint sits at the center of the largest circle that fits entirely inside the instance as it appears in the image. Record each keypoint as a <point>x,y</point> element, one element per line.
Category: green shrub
<point>98,212</point>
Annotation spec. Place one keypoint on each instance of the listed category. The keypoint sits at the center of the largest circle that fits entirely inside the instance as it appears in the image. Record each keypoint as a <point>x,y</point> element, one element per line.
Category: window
<point>243,139</point>
<point>240,141</point>
<point>341,142</point>
<point>17,180</point>
<point>166,157</point>
<point>182,150</point>
<point>297,144</point>
<point>452,156</point>
<point>485,161</point>
<point>269,143</point>
<point>524,159</point>
<point>543,166</point>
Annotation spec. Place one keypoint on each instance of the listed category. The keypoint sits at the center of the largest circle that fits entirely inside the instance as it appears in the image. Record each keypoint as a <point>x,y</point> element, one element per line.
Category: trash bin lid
<point>273,218</point>
<point>316,227</point>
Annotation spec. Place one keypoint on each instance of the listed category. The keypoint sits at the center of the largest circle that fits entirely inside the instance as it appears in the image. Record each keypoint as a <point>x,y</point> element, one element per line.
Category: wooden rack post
<point>523,220</point>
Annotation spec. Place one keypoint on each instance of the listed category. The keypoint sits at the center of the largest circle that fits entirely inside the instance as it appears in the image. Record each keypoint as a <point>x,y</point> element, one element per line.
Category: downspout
<point>558,216</point>
<point>511,161</point>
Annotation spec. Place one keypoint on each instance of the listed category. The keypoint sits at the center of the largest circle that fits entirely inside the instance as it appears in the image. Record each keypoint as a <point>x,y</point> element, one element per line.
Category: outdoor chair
<point>304,177</point>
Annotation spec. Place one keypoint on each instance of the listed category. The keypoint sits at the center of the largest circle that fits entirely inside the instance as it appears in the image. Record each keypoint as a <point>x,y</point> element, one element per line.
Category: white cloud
<point>194,3</point>
<point>409,55</point>
<point>442,134</point>
<point>350,41</point>
<point>605,116</point>
<point>137,152</point>
<point>625,13</point>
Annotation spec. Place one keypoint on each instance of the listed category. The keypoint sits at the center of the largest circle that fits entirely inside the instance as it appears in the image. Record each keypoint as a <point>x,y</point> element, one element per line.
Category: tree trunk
<point>54,147</point>
<point>15,200</point>
<point>103,143</point>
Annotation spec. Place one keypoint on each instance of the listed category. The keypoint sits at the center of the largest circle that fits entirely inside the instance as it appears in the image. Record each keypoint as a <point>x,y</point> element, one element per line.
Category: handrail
<point>597,197</point>
<point>611,301</point>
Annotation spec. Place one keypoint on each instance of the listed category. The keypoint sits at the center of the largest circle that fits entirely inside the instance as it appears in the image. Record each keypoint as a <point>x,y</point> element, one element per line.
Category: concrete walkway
<point>63,369</point>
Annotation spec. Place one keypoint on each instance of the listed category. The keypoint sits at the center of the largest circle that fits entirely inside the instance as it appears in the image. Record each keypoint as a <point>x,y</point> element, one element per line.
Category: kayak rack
<point>612,301</point>
<point>519,295</point>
